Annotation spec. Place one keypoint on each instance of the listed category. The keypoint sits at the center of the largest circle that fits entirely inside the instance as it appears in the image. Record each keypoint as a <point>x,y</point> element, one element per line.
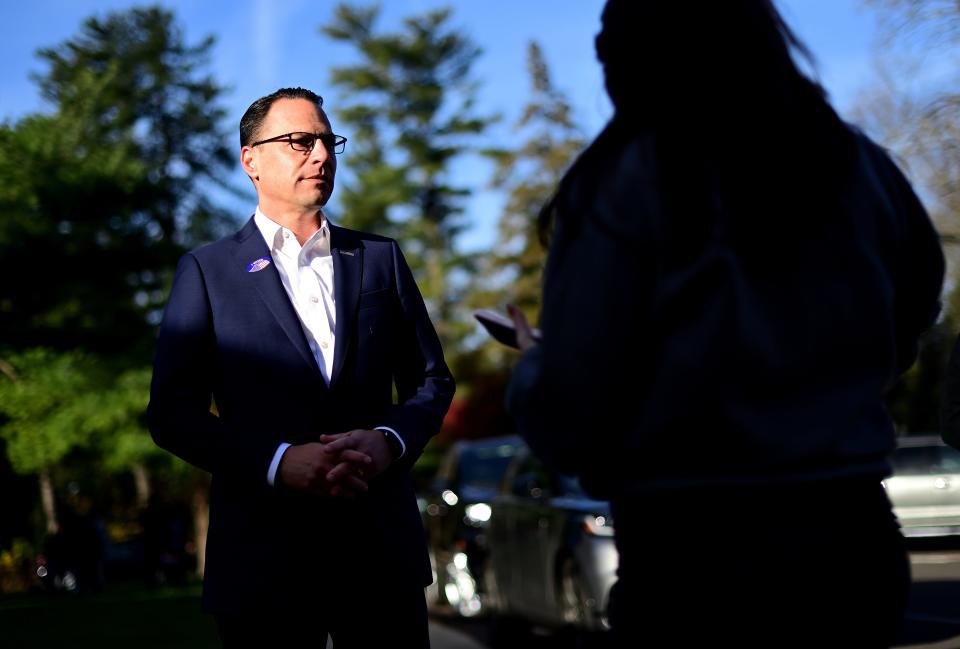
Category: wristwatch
<point>393,443</point>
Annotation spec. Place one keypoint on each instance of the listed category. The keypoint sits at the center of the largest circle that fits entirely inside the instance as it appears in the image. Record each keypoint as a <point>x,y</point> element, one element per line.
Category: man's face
<point>286,179</point>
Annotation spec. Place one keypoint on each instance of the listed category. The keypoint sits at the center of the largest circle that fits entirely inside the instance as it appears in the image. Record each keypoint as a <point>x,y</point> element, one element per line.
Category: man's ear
<point>248,160</point>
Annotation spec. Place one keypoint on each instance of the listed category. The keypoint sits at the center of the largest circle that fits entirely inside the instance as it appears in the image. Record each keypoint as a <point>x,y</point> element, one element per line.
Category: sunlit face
<point>288,180</point>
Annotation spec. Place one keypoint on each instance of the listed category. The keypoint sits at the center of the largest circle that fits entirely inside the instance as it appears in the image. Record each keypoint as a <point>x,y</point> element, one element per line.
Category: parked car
<point>925,486</point>
<point>552,554</point>
<point>456,514</point>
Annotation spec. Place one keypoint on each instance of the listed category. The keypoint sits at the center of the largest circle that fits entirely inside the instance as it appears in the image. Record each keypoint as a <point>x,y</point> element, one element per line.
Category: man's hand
<point>315,468</point>
<point>369,443</point>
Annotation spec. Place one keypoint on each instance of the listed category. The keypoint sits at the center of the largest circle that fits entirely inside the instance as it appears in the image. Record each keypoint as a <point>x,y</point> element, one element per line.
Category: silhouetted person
<point>735,278</point>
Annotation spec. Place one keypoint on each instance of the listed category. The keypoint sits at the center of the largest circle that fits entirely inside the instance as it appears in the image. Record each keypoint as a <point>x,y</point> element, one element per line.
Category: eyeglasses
<point>300,141</point>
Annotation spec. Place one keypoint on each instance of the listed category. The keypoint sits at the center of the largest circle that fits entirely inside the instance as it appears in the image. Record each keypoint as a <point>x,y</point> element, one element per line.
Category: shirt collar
<point>282,240</point>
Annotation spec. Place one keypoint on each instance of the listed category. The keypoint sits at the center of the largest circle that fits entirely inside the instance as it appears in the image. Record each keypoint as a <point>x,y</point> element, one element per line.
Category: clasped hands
<point>340,465</point>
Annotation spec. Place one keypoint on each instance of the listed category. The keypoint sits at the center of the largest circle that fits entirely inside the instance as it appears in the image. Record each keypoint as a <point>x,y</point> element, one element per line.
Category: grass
<point>121,617</point>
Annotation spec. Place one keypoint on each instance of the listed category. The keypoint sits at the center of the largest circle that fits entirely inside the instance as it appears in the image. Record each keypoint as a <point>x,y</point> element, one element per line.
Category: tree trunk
<point>141,481</point>
<point>201,519</point>
<point>46,498</point>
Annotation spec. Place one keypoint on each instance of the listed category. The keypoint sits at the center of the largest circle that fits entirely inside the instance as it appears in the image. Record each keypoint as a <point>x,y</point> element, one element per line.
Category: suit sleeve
<point>179,415</point>
<point>425,386</point>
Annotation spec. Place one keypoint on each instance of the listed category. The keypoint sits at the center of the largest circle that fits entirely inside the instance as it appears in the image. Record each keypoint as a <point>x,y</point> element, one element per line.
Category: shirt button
<point>286,235</point>
<point>324,344</point>
<point>314,299</point>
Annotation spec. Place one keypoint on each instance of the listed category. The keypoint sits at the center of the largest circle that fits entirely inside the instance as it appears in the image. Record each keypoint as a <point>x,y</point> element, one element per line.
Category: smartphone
<point>501,327</point>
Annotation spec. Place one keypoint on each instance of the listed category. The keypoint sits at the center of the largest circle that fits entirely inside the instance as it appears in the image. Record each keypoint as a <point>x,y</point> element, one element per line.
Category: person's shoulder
<point>627,198</point>
<point>873,153</point>
<point>882,166</point>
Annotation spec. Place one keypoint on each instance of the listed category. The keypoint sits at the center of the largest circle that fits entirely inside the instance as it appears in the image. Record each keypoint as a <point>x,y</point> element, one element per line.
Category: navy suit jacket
<point>230,334</point>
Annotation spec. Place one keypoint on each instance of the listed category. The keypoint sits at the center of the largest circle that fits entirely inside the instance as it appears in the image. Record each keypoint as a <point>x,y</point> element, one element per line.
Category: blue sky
<point>266,44</point>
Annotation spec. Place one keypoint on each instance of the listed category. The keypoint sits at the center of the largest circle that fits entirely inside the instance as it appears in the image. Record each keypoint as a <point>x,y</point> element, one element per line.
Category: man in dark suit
<point>298,330</point>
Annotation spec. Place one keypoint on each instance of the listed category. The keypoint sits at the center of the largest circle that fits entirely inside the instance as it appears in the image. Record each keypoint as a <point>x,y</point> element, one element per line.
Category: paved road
<point>932,622</point>
<point>933,615</point>
<point>443,635</point>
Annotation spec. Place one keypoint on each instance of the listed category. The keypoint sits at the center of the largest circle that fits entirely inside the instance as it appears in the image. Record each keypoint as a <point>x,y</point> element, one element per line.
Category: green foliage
<point>73,416</point>
<point>46,402</point>
<point>149,84</point>
<point>102,195</point>
<point>118,423</point>
<point>53,180</point>
<point>512,272</point>
<point>409,108</point>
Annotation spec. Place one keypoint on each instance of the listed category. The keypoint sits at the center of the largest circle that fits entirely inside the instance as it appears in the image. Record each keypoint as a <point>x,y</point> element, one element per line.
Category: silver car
<point>456,512</point>
<point>925,486</point>
<point>552,554</point>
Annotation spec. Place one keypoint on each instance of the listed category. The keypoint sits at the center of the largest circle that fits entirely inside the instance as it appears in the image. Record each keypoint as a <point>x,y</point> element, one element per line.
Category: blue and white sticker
<point>258,265</point>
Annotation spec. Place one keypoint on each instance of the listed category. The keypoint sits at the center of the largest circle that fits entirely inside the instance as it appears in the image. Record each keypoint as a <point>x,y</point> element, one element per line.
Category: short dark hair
<point>253,118</point>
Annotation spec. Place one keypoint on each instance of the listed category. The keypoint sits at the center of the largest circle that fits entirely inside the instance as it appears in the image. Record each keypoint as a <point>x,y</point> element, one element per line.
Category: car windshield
<point>924,460</point>
<point>485,465</point>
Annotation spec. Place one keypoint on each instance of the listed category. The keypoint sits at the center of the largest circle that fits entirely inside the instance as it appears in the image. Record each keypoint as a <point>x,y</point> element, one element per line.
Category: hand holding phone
<point>501,327</point>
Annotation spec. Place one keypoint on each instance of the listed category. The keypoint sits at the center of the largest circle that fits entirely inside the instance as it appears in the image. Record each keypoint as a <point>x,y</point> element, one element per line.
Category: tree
<point>45,399</point>
<point>411,115</point>
<point>108,189</point>
<point>152,85</point>
<point>101,196</point>
<point>51,179</point>
<point>529,175</point>
<point>935,19</point>
<point>920,122</point>
<point>117,426</point>
<point>117,423</point>
<point>549,140</point>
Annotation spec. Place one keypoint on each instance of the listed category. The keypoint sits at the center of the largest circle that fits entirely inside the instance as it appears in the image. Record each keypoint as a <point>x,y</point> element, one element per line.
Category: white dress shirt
<point>307,276</point>
<point>306,273</point>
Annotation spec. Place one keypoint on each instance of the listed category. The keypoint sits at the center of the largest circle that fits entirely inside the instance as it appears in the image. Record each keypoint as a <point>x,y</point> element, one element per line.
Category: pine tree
<point>410,115</point>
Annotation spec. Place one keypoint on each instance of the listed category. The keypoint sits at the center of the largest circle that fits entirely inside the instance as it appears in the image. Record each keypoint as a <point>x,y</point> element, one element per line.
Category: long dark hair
<point>716,85</point>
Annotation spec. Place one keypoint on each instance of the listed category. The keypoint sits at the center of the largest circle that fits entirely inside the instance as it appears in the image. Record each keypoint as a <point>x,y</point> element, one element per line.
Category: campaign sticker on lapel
<point>259,264</point>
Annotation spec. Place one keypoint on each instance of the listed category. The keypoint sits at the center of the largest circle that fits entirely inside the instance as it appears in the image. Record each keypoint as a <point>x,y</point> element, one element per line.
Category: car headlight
<point>598,525</point>
<point>478,513</point>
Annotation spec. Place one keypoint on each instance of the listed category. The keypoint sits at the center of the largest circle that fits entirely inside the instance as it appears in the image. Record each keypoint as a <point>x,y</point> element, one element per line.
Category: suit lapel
<point>347,278</point>
<point>269,287</point>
